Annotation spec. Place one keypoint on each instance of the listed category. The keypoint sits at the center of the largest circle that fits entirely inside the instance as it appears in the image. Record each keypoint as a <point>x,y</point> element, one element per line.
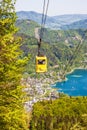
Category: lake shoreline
<point>72,86</point>
<point>76,68</point>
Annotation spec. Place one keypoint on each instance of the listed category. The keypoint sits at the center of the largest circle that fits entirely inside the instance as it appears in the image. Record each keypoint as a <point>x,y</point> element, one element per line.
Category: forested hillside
<point>59,46</point>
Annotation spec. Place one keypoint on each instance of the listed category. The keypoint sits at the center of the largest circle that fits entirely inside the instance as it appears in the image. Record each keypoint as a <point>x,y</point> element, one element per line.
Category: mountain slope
<point>58,45</point>
<point>26,26</point>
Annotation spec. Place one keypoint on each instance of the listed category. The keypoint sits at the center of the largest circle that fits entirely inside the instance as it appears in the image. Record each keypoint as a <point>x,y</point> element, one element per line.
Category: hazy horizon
<point>56,7</point>
<point>47,14</point>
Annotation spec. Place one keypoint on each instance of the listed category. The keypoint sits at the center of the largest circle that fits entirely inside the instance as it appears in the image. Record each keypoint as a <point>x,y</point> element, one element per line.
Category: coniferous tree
<point>12,114</point>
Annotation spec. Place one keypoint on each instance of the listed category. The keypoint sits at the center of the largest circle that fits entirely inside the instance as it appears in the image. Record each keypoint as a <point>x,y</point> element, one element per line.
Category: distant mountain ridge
<point>54,22</point>
<point>82,24</point>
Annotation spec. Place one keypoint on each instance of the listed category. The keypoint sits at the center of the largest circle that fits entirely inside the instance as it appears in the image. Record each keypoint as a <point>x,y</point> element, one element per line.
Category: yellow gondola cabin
<point>41,64</point>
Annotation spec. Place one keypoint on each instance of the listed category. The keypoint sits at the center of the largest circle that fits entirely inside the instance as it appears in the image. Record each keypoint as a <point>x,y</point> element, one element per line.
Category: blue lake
<point>75,85</point>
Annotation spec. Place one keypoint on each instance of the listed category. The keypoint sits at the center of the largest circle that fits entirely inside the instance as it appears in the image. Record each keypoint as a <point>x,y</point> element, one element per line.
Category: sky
<point>56,7</point>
